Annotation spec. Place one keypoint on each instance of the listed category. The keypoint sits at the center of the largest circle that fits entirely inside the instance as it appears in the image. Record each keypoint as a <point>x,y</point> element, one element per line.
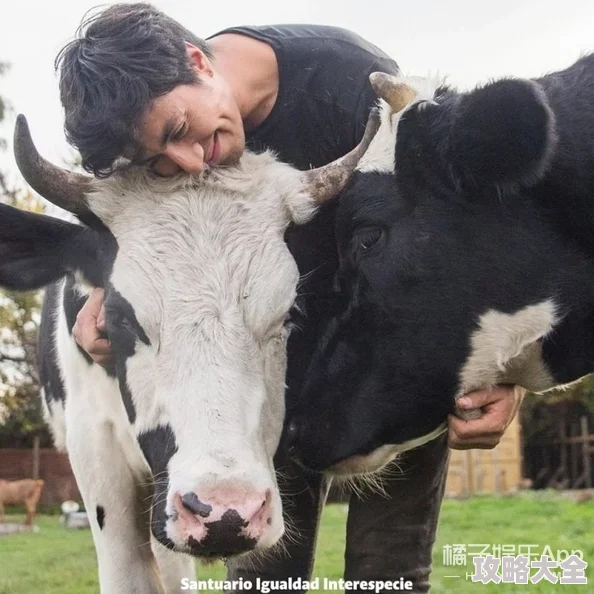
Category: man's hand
<point>89,330</point>
<point>498,406</point>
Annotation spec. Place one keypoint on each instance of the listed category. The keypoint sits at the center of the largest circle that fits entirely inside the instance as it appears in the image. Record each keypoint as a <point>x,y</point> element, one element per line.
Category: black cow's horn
<point>387,87</point>
<point>328,181</point>
<point>61,187</point>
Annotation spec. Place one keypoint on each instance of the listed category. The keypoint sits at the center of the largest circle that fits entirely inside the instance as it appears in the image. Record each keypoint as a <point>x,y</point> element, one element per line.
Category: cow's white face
<point>196,310</point>
<point>198,285</point>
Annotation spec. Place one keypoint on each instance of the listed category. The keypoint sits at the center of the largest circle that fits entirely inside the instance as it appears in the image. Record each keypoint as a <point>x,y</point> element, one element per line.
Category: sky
<point>466,41</point>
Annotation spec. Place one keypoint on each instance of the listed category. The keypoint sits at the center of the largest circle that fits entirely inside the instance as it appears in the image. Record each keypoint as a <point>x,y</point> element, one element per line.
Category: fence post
<point>586,452</point>
<point>35,473</point>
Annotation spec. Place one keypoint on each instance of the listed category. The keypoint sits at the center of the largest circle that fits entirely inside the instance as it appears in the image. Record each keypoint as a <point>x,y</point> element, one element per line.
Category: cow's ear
<point>502,134</point>
<point>36,250</point>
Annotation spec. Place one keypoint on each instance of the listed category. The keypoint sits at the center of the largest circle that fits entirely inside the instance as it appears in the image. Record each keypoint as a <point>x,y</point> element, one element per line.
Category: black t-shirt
<point>324,93</point>
<point>320,114</point>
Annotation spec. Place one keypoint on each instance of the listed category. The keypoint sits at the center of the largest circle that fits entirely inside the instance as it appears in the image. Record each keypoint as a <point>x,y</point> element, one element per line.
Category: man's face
<point>192,126</point>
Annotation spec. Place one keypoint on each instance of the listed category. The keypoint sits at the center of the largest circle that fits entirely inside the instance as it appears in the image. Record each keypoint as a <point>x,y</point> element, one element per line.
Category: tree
<point>20,405</point>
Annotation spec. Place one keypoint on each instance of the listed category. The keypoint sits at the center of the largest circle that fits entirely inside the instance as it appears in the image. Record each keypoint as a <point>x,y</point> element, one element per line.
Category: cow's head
<point>443,284</point>
<point>198,287</point>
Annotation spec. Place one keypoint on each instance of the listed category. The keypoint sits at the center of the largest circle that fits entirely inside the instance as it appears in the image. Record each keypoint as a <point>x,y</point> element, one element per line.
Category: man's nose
<point>188,158</point>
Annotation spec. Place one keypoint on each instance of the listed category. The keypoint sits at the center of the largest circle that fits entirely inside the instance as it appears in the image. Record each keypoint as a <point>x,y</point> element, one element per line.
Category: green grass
<point>59,561</point>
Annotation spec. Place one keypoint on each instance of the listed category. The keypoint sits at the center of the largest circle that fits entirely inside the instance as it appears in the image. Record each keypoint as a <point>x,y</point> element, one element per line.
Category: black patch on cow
<point>191,502</point>
<point>100,516</point>
<point>158,446</point>
<point>121,319</point>
<point>47,356</point>
<point>124,331</point>
<point>224,537</point>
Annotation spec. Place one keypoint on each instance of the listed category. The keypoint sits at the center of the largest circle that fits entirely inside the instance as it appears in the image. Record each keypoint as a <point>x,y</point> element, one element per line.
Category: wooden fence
<point>44,463</point>
<point>472,471</point>
<point>487,471</point>
<point>564,461</point>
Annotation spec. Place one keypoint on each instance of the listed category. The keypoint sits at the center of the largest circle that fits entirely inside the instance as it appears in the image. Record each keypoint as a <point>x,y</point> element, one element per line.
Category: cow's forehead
<point>380,156</point>
<point>196,252</point>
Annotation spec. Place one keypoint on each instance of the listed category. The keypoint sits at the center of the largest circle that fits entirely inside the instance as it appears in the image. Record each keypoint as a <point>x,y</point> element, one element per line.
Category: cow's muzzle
<point>221,522</point>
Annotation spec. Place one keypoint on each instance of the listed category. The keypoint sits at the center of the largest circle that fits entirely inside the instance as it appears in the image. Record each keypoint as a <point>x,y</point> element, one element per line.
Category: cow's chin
<point>382,456</point>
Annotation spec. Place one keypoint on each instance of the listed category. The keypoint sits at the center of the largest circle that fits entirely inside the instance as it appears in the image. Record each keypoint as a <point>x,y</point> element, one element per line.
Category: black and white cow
<point>180,436</point>
<point>466,251</point>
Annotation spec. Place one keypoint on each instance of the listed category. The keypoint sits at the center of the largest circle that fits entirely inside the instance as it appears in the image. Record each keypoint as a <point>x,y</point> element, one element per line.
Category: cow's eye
<point>368,237</point>
<point>288,318</point>
<point>291,318</point>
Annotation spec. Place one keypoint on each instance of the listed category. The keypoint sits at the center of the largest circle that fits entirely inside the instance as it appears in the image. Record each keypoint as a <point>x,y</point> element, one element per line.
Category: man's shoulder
<point>303,37</point>
<point>324,93</point>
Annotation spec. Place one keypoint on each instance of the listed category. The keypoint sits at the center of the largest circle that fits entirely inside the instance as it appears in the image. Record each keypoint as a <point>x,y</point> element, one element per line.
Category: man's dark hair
<point>121,60</point>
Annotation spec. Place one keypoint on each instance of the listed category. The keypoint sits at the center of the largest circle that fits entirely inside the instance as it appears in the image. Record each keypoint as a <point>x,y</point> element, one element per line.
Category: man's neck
<point>251,70</point>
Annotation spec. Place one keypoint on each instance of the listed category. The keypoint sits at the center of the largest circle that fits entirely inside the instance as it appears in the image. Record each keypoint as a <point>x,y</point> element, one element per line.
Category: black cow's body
<point>467,264</point>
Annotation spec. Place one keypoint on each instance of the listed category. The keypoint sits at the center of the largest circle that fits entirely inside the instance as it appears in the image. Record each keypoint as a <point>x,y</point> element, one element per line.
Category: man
<point>136,84</point>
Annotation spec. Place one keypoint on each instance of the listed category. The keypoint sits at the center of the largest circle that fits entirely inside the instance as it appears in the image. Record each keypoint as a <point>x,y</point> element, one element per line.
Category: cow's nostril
<point>191,502</point>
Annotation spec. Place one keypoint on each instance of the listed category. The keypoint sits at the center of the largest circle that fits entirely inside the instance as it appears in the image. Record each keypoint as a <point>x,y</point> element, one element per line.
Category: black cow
<point>466,260</point>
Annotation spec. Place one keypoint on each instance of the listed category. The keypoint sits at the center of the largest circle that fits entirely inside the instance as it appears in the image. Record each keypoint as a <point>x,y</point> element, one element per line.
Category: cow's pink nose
<point>222,522</point>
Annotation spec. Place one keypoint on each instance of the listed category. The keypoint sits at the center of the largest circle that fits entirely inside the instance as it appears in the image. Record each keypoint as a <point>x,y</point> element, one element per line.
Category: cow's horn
<point>61,187</point>
<point>328,181</point>
<point>397,94</point>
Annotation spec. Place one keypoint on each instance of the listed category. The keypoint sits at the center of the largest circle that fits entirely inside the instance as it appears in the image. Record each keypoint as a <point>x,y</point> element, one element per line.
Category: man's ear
<point>502,134</point>
<point>199,60</point>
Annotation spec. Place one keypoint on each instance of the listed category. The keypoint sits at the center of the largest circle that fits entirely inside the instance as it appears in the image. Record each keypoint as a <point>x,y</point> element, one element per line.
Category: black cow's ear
<point>502,134</point>
<point>36,250</point>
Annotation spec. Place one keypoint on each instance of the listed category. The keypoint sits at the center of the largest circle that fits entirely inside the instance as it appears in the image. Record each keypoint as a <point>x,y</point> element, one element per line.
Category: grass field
<point>59,561</point>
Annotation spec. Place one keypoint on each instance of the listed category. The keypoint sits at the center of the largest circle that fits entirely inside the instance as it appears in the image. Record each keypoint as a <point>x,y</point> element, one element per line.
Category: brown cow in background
<point>27,491</point>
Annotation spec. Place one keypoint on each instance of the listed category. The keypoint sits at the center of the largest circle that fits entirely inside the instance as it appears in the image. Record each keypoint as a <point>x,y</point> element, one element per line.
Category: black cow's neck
<point>568,350</point>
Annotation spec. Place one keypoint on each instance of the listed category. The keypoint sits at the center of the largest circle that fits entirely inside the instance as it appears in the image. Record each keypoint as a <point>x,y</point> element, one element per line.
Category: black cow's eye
<point>367,238</point>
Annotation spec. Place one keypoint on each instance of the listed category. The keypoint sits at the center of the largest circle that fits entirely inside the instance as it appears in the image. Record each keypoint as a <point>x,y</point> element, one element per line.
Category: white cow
<point>178,439</point>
